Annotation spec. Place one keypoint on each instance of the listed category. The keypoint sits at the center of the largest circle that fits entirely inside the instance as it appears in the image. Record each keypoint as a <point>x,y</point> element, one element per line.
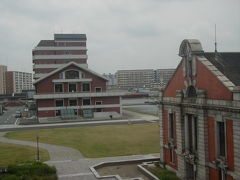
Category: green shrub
<point>163,174</point>
<point>29,171</point>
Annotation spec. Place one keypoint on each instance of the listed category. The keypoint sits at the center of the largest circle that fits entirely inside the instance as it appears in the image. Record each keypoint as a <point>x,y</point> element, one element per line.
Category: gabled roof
<point>228,63</point>
<point>66,65</point>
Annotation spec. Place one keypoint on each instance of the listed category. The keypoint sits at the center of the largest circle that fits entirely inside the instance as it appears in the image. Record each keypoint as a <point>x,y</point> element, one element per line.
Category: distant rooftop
<point>63,37</point>
<point>72,37</point>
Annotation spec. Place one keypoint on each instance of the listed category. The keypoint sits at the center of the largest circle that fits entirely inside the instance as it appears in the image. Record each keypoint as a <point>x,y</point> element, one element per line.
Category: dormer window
<point>72,74</point>
<point>191,92</point>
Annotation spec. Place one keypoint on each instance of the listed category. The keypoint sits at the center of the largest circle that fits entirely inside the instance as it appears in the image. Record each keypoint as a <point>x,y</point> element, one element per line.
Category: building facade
<point>18,81</point>
<point>200,115</point>
<point>112,80</point>
<point>69,89</point>
<point>49,55</point>
<point>3,70</point>
<point>162,76</point>
<point>128,79</point>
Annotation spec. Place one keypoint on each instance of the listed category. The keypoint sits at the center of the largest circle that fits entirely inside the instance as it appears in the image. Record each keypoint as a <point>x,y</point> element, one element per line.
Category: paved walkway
<point>56,153</point>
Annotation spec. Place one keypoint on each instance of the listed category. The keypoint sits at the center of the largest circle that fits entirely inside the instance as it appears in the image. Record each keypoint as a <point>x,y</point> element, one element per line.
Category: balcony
<point>64,56</point>
<point>77,95</point>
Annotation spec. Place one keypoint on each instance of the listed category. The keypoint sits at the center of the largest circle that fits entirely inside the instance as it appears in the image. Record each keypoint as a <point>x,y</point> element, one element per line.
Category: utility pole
<point>38,158</point>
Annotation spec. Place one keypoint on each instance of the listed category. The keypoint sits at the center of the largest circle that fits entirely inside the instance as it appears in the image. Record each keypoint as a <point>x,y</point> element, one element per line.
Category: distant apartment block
<point>3,70</point>
<point>50,55</point>
<point>143,78</point>
<point>18,81</point>
<point>112,80</point>
<point>162,76</point>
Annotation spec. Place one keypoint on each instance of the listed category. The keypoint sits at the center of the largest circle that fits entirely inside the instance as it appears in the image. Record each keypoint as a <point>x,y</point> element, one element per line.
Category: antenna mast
<point>215,38</point>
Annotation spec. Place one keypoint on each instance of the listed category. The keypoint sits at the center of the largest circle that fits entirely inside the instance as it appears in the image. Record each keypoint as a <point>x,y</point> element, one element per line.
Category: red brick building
<point>65,87</point>
<point>200,115</point>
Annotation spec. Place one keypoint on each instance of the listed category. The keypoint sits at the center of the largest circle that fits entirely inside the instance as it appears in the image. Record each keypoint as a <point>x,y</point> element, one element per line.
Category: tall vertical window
<point>221,139</point>
<point>85,87</point>
<point>72,87</point>
<point>191,135</point>
<point>171,125</point>
<point>58,87</point>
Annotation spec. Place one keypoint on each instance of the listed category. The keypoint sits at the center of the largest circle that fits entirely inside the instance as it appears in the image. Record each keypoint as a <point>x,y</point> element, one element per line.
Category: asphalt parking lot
<point>8,117</point>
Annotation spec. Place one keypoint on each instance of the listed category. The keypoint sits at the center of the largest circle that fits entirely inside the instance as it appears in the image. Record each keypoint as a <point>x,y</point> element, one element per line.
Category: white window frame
<point>90,102</point>
<point>72,83</point>
<point>98,101</point>
<point>62,87</point>
<point>219,118</point>
<point>80,73</point>
<point>99,88</point>
<point>56,104</point>
<point>72,99</point>
<point>89,86</point>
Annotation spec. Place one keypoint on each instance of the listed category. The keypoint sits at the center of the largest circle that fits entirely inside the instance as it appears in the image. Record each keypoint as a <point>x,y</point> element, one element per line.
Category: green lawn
<point>99,141</point>
<point>12,153</point>
<point>163,174</point>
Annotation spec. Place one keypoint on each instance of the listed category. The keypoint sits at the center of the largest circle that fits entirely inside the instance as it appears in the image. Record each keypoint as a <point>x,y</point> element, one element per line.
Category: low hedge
<point>29,171</point>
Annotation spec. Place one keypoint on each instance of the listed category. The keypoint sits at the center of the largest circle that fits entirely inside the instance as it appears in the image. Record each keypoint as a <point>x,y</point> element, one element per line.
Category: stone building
<point>200,115</point>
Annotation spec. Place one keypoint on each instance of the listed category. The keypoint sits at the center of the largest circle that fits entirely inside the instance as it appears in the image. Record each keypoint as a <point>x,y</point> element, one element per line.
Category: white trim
<point>66,65</point>
<point>39,75</point>
<point>78,107</point>
<point>89,87</point>
<point>98,87</point>
<point>55,48</point>
<point>64,56</point>
<point>87,98</point>
<point>58,83</point>
<point>73,95</point>
<point>98,101</point>
<point>72,99</point>
<point>72,80</point>
<point>57,100</point>
<point>46,66</point>
<point>72,83</point>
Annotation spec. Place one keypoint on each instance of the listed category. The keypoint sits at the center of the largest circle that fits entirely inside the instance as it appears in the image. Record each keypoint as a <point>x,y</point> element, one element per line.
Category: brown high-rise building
<point>18,81</point>
<point>49,55</point>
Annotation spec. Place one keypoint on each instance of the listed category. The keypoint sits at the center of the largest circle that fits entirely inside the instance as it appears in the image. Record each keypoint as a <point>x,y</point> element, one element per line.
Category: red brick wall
<point>9,83</point>
<point>213,174</point>
<point>59,52</point>
<point>165,127</point>
<point>115,109</point>
<point>46,114</point>
<point>58,61</point>
<point>176,83</point>
<point>43,70</point>
<point>207,81</point>
<point>106,100</point>
<point>211,139</point>
<point>230,148</point>
<point>45,103</point>
<point>46,86</point>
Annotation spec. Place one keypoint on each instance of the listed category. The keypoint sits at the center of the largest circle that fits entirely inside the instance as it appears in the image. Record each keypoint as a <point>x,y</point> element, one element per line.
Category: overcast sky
<point>122,34</point>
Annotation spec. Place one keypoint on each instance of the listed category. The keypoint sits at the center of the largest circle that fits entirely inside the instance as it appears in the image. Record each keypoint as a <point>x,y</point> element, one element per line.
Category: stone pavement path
<point>56,153</point>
